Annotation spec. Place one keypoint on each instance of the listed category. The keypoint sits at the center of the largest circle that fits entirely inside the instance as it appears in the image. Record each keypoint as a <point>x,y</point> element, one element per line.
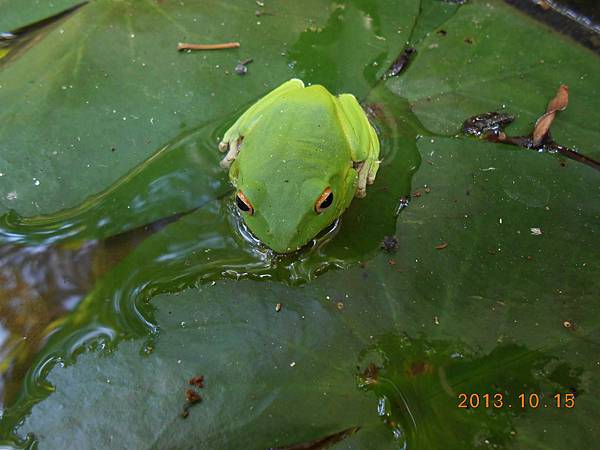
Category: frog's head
<point>291,206</point>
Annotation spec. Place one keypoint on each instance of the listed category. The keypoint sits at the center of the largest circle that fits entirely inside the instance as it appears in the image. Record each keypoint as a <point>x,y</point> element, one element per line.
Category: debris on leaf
<point>400,64</point>
<point>192,396</point>
<point>491,125</point>
<point>558,103</point>
<point>535,231</point>
<point>278,307</point>
<point>370,375</point>
<point>323,442</point>
<point>259,13</point>
<point>389,243</point>
<point>543,4</point>
<point>187,46</point>
<point>242,67</point>
<point>441,246</point>
<point>403,203</point>
<point>197,381</point>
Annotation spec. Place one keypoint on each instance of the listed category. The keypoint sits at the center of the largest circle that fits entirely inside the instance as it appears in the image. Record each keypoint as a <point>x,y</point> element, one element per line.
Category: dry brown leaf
<point>543,124</point>
<point>560,100</point>
<point>543,4</point>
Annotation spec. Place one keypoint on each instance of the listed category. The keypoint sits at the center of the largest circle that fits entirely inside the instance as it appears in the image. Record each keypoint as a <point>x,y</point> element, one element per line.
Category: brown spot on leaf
<point>419,368</point>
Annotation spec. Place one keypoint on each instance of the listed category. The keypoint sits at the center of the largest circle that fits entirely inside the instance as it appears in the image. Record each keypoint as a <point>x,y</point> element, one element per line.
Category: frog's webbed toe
<point>232,147</point>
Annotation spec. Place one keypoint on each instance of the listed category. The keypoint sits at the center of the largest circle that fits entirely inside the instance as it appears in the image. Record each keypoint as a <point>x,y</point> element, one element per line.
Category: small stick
<point>184,46</point>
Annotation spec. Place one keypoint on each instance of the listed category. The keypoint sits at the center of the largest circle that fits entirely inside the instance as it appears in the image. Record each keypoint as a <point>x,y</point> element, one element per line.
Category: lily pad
<point>490,289</point>
<point>447,323</point>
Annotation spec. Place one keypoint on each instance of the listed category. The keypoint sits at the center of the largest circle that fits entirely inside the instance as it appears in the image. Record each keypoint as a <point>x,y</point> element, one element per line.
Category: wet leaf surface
<point>466,299</point>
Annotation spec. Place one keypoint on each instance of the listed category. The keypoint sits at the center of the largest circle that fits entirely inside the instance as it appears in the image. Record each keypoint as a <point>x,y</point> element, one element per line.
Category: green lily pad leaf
<point>328,53</point>
<point>488,285</point>
<point>433,15</point>
<point>483,60</point>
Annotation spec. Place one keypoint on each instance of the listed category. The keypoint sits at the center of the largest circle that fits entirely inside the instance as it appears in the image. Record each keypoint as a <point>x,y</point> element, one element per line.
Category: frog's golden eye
<point>243,203</point>
<point>324,201</point>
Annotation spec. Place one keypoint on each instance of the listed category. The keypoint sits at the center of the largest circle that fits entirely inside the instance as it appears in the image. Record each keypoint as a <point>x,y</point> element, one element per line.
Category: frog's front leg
<point>363,141</point>
<point>232,141</point>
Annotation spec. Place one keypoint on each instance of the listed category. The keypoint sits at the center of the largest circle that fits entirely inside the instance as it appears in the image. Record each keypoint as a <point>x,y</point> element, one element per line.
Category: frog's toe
<point>232,153</point>
<point>361,192</point>
<point>226,163</point>
<point>223,146</point>
<point>373,171</point>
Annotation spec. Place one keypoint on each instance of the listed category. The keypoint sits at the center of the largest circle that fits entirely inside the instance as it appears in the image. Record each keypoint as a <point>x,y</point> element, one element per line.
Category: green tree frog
<point>297,158</point>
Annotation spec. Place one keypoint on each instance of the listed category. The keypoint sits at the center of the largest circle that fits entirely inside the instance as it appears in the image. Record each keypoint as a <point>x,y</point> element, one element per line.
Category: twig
<point>185,46</point>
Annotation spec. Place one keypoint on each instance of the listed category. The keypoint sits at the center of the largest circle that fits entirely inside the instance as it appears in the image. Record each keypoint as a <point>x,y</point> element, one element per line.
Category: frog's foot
<point>367,171</point>
<point>232,147</point>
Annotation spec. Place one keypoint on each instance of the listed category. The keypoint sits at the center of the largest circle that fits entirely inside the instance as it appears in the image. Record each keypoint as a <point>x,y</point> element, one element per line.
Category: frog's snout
<point>284,238</point>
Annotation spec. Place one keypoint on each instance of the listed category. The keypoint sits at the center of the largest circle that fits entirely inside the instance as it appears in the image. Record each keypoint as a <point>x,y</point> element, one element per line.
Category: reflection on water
<point>168,225</point>
<point>38,285</point>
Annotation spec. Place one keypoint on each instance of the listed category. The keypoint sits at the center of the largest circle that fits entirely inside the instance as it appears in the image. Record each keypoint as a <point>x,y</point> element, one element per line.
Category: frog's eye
<point>324,201</point>
<point>243,203</point>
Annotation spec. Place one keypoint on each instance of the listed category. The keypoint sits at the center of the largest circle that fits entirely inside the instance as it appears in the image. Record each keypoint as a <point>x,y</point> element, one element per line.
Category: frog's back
<point>303,119</point>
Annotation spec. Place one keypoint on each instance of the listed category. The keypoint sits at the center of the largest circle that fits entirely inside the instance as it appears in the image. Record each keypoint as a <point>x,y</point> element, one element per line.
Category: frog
<point>297,158</point>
